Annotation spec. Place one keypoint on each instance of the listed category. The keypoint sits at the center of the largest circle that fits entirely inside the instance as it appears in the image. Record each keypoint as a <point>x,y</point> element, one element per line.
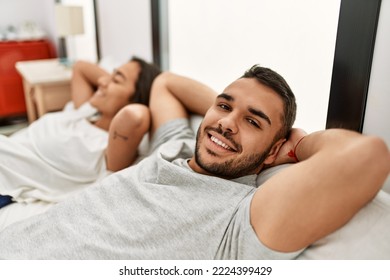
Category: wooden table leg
<point>28,96</point>
<point>39,101</point>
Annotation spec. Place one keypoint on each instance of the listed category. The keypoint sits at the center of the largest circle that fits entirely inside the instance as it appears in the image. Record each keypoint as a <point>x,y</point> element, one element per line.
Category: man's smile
<point>220,141</point>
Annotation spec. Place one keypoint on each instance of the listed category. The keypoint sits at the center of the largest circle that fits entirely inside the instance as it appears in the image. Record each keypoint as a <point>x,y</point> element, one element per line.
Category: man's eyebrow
<point>226,96</point>
<point>253,111</point>
<point>260,114</point>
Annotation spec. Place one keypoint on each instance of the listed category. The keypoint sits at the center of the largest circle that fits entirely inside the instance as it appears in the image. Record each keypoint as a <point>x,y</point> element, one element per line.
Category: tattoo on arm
<point>123,137</point>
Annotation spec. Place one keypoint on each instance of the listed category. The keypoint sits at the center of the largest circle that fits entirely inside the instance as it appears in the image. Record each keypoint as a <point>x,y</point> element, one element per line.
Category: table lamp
<point>69,22</point>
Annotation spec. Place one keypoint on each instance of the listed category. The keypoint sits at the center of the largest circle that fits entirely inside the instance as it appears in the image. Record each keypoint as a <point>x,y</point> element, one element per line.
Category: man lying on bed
<point>175,204</point>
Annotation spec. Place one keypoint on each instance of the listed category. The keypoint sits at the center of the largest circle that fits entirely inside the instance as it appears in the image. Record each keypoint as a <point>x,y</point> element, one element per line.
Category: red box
<point>12,101</point>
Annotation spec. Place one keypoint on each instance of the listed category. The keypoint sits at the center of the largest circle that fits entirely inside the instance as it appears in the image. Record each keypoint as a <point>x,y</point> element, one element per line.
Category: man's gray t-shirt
<point>156,209</point>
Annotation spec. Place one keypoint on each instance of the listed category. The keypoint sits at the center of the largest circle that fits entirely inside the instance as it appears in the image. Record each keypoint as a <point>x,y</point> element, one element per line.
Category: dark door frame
<point>354,51</point>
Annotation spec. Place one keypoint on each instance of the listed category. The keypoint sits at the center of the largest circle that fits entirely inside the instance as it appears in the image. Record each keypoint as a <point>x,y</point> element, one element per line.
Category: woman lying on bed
<point>66,151</point>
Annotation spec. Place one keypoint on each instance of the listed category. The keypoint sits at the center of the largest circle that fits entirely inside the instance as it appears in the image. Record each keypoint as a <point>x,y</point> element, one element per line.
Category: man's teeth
<point>219,142</point>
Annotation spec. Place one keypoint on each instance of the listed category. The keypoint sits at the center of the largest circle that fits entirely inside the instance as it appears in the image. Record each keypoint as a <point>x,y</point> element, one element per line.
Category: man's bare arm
<point>174,96</point>
<point>338,173</point>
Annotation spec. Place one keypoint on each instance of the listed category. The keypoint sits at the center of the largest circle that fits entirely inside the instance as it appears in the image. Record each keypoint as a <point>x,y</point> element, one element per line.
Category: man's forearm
<point>357,155</point>
<point>338,172</point>
<point>195,96</point>
<point>330,141</point>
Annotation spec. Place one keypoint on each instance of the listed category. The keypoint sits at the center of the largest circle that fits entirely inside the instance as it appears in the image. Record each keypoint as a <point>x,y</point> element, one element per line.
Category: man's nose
<point>229,123</point>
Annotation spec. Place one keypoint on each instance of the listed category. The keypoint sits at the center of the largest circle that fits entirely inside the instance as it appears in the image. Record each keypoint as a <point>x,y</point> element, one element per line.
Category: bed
<point>366,236</point>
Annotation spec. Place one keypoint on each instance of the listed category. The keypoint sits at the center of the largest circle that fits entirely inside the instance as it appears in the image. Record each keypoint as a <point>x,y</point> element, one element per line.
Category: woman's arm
<point>126,131</point>
<point>85,76</point>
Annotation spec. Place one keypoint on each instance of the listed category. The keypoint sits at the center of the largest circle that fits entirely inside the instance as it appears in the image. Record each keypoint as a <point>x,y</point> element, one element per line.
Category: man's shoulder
<point>170,131</point>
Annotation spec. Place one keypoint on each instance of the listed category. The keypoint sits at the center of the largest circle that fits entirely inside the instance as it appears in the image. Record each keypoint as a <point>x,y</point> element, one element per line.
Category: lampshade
<point>69,20</point>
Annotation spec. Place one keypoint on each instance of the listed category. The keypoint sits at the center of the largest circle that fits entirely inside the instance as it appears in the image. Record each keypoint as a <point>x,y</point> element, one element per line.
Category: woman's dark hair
<point>148,73</point>
<point>276,82</point>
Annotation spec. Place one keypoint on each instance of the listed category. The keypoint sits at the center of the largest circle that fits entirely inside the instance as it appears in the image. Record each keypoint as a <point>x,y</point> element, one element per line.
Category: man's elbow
<point>374,158</point>
<point>379,153</point>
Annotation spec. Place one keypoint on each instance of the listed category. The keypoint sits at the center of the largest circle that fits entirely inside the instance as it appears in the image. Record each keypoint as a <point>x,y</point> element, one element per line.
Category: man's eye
<point>224,107</point>
<point>254,123</point>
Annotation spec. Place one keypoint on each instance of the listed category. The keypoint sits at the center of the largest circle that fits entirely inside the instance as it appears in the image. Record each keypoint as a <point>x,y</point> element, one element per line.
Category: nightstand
<point>46,86</point>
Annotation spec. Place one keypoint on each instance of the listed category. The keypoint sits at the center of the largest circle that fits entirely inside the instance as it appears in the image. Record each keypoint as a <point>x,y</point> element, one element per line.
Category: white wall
<point>125,26</point>
<point>215,41</point>
<point>125,29</point>
<point>83,46</point>
<point>16,12</point>
<point>377,116</point>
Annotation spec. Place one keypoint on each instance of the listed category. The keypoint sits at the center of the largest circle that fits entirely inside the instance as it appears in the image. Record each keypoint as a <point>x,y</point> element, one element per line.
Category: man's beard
<point>233,168</point>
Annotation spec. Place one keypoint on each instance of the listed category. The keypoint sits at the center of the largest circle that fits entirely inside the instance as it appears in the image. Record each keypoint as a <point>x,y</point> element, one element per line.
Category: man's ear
<point>273,153</point>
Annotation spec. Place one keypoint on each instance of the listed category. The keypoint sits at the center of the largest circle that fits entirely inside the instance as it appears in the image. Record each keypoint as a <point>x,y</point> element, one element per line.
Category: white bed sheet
<point>59,154</point>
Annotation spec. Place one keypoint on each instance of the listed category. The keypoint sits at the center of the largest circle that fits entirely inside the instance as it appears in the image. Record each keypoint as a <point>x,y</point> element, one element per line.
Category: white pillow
<point>365,237</point>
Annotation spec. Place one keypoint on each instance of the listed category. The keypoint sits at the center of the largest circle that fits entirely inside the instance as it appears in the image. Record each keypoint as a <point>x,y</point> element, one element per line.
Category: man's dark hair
<point>148,73</point>
<point>276,82</point>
